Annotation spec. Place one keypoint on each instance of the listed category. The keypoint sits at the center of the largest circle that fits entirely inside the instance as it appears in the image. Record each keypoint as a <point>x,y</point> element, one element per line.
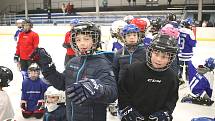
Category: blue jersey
<point>17,33</point>
<point>32,91</point>
<point>198,83</point>
<point>116,46</point>
<point>186,44</point>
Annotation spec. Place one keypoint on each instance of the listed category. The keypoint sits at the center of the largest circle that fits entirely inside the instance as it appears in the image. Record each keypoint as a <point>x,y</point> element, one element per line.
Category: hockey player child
<point>55,105</point>
<point>186,44</point>
<point>27,42</point>
<point>116,42</point>
<point>33,89</point>
<point>201,83</point>
<point>88,78</point>
<point>148,91</point>
<point>6,109</point>
<point>133,50</point>
<point>69,51</point>
<point>19,24</point>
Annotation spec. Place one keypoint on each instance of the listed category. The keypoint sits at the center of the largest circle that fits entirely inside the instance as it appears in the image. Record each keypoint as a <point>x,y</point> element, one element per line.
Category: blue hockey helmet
<point>74,21</point>
<point>210,63</point>
<point>130,28</point>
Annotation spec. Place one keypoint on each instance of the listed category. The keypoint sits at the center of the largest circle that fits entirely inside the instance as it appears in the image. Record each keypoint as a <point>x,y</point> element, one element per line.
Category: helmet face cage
<point>171,17</point>
<point>116,29</point>
<point>51,91</point>
<point>6,76</point>
<point>86,29</point>
<point>28,21</point>
<point>164,44</point>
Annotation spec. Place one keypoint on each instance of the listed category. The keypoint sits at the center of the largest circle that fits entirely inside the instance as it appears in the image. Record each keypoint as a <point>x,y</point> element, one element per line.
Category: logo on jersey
<point>154,81</point>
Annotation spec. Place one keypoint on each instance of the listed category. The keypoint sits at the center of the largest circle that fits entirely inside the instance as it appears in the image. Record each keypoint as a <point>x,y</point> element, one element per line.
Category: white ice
<point>183,111</point>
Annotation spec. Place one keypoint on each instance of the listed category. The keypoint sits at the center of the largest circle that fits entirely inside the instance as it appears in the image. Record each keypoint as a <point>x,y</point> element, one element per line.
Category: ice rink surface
<point>53,44</point>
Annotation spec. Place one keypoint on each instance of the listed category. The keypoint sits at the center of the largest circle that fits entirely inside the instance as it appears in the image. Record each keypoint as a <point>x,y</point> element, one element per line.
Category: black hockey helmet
<point>6,76</point>
<point>87,28</point>
<point>171,17</point>
<point>28,21</point>
<point>163,43</point>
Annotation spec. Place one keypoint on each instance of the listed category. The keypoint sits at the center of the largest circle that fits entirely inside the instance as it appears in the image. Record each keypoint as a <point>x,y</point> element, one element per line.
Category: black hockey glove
<point>16,58</point>
<point>83,90</point>
<point>160,116</point>
<point>130,114</point>
<point>43,59</point>
<point>66,45</point>
<point>23,106</point>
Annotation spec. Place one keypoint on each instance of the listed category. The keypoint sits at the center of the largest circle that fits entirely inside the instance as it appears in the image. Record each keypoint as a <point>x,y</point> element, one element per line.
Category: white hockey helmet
<point>117,26</point>
<point>128,18</point>
<point>51,91</point>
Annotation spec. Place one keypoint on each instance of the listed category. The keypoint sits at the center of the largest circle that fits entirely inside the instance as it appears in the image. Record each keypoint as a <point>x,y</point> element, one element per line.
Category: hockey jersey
<point>198,83</point>
<point>17,33</point>
<point>32,91</point>
<point>186,44</point>
<point>6,109</point>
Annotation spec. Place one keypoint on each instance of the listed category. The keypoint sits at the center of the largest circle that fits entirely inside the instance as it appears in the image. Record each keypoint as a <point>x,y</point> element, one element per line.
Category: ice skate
<point>197,100</point>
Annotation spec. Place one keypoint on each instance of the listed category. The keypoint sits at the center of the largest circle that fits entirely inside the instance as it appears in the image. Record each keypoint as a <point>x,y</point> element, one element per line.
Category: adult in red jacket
<point>70,53</point>
<point>27,42</point>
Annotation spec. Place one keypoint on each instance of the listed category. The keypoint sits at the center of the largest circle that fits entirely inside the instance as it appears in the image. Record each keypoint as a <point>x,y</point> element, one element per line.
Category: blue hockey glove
<point>83,90</point>
<point>130,114</point>
<point>16,58</point>
<point>43,59</point>
<point>160,116</point>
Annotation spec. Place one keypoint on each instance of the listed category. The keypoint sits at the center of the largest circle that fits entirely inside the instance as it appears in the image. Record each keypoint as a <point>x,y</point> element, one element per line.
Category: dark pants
<point>24,67</point>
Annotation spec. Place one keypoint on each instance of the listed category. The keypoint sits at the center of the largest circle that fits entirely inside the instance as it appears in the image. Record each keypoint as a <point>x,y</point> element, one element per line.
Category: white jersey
<point>6,109</point>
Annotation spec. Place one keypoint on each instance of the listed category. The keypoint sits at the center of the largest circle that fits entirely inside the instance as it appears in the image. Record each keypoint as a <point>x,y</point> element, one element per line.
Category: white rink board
<point>53,44</point>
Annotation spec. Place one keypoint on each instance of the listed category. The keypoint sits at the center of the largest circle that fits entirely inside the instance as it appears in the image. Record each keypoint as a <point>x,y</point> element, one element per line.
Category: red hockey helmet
<point>140,23</point>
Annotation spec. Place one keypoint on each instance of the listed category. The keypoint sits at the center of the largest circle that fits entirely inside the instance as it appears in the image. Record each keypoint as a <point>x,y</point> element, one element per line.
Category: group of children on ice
<point>139,79</point>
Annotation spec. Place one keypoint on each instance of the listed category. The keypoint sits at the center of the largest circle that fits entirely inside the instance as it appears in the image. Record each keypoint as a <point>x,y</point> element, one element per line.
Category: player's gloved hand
<point>130,114</point>
<point>84,89</point>
<point>23,105</point>
<point>16,58</point>
<point>15,38</point>
<point>66,45</point>
<point>160,116</point>
<point>40,105</point>
<point>43,59</point>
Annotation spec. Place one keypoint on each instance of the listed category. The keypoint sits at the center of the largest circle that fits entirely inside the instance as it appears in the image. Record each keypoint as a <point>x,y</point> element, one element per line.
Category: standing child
<point>187,42</point>
<point>6,109</point>
<point>33,89</point>
<point>28,41</point>
<point>149,90</point>
<point>19,24</point>
<point>88,78</point>
<point>70,53</point>
<point>55,105</point>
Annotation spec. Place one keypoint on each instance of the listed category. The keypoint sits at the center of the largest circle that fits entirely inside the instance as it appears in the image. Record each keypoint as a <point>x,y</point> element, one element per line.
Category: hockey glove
<point>160,116</point>
<point>40,105</point>
<point>16,58</point>
<point>83,90</point>
<point>130,114</point>
<point>66,45</point>
<point>23,105</point>
<point>43,59</point>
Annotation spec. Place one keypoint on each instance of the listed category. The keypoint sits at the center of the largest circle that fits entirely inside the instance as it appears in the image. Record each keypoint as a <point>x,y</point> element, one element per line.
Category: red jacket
<point>69,50</point>
<point>26,44</point>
